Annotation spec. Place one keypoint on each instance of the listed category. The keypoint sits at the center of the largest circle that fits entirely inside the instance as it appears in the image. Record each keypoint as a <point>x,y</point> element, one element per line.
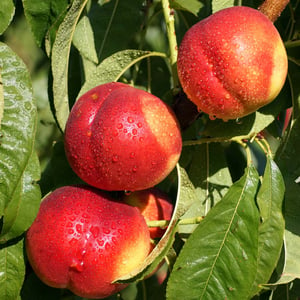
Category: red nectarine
<point>83,240</point>
<point>118,137</point>
<point>232,63</point>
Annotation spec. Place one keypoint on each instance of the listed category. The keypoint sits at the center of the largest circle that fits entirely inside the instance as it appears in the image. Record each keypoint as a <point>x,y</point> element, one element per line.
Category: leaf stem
<point>165,223</point>
<point>218,140</point>
<point>170,24</point>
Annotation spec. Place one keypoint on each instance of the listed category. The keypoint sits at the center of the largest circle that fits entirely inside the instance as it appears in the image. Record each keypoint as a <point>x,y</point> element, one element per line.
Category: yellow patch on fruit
<point>280,67</point>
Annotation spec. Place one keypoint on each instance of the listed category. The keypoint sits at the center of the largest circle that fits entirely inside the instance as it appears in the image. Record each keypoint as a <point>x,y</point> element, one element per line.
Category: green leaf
<point>113,67</point>
<point>41,15</point>
<point>83,40</point>
<point>185,197</point>
<point>219,259</point>
<point>288,161</point>
<point>12,269</point>
<point>192,6</point>
<point>7,11</point>
<point>24,204</point>
<point>221,4</point>
<point>269,199</point>
<point>60,61</point>
<point>1,99</point>
<point>115,24</point>
<point>208,171</point>
<point>19,168</point>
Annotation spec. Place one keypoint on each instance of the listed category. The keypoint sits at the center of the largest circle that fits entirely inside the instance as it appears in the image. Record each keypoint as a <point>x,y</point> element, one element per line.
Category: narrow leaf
<point>185,197</point>
<point>192,6</point>
<point>19,168</point>
<point>60,61</point>
<point>269,199</point>
<point>221,4</point>
<point>113,67</point>
<point>12,269</point>
<point>83,40</point>
<point>41,15</point>
<point>218,261</point>
<point>288,161</point>
<point>7,11</point>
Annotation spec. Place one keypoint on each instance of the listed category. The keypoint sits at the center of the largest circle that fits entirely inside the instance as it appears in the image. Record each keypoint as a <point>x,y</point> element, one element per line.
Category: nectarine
<point>83,240</point>
<point>232,63</point>
<point>119,137</point>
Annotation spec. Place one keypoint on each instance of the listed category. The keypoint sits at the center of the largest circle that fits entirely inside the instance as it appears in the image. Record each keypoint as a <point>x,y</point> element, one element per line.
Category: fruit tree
<point>149,149</point>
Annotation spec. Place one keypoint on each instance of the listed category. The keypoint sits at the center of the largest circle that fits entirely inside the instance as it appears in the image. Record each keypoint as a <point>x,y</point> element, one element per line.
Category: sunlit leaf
<point>221,4</point>
<point>19,167</point>
<point>7,11</point>
<point>83,39</point>
<point>269,199</point>
<point>193,6</point>
<point>60,61</point>
<point>12,269</point>
<point>218,261</point>
<point>113,67</point>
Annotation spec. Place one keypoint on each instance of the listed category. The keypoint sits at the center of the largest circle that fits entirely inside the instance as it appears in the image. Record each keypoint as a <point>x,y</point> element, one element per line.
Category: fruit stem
<point>273,8</point>
<point>170,24</point>
<point>165,223</point>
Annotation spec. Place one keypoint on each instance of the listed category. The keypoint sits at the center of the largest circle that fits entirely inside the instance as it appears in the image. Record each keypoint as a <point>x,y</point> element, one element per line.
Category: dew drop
<point>134,131</point>
<point>115,158</point>
<point>130,120</point>
<point>95,231</point>
<point>79,228</point>
<point>132,155</point>
<point>139,125</point>
<point>120,126</point>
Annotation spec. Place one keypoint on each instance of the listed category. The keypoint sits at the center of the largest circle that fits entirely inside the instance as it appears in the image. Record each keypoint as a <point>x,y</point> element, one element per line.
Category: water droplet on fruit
<point>106,230</point>
<point>134,169</point>
<point>130,120</point>
<point>134,131</point>
<point>132,155</point>
<point>141,139</point>
<point>95,231</point>
<point>120,126</point>
<point>79,228</point>
<point>70,231</point>
<point>139,125</point>
<point>115,158</point>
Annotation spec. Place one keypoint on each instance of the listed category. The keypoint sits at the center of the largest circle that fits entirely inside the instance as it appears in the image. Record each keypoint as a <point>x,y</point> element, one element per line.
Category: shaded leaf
<point>224,265</point>
<point>83,39</point>
<point>7,11</point>
<point>185,197</point>
<point>115,24</point>
<point>41,15</point>
<point>12,269</point>
<point>269,199</point>
<point>208,171</point>
<point>19,167</point>
<point>60,61</point>
<point>192,6</point>
<point>113,67</point>
<point>288,161</point>
<point>1,99</point>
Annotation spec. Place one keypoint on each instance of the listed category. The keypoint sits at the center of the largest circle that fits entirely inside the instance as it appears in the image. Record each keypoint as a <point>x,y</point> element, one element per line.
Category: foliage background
<point>247,187</point>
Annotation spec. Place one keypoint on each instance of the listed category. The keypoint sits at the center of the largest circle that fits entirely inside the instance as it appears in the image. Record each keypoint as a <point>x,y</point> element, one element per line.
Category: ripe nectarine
<point>83,240</point>
<point>119,137</point>
<point>232,63</point>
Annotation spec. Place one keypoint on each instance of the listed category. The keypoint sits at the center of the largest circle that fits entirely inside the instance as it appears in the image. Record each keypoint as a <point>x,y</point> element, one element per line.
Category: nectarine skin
<point>232,63</point>
<point>83,240</point>
<point>118,137</point>
<point>154,205</point>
